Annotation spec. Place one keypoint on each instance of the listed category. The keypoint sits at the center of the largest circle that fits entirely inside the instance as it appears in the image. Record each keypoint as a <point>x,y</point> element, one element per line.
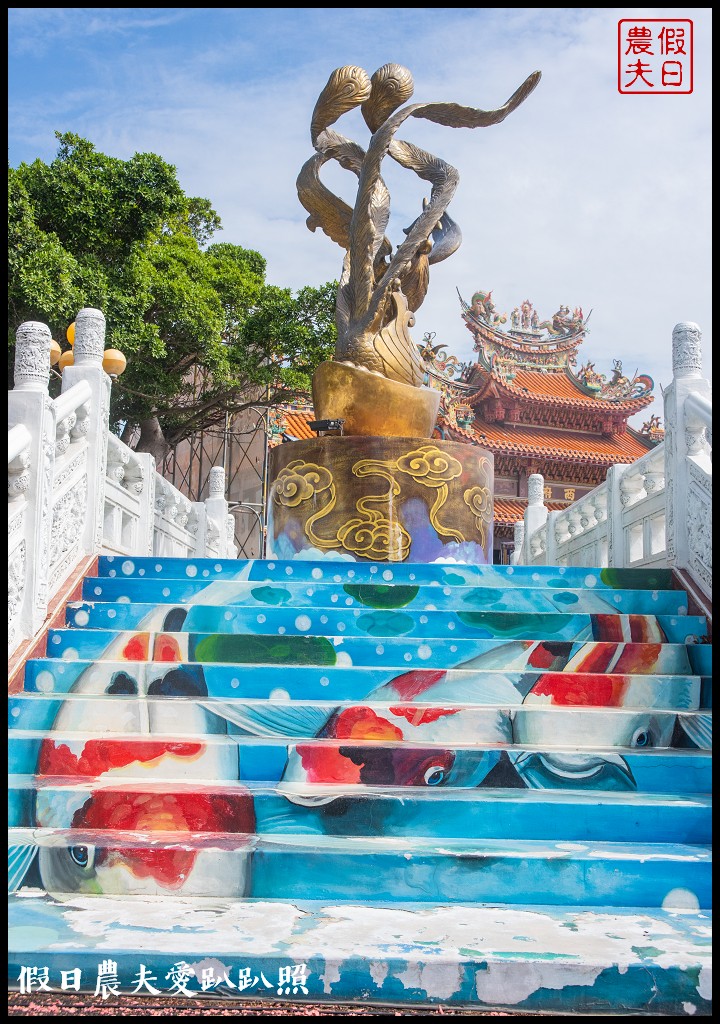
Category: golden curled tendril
<point>479,501</point>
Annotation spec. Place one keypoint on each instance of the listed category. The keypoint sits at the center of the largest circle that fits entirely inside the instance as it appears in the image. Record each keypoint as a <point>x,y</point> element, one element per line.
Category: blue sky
<point>583,196</point>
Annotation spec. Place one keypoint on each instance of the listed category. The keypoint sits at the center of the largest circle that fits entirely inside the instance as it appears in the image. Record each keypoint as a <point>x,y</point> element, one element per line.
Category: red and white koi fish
<point>96,784</point>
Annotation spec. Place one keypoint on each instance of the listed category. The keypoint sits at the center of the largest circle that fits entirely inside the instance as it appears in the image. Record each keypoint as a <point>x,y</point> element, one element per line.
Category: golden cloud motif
<point>430,466</point>
<point>299,481</point>
<point>380,539</point>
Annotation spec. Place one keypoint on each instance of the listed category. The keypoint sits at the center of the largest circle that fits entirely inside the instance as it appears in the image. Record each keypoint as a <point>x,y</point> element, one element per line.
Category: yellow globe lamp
<point>114,362</point>
<point>70,333</point>
<point>55,352</point>
<point>66,359</point>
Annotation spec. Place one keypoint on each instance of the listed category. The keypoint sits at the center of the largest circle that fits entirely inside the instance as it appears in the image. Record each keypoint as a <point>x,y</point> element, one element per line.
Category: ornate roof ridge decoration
<point>456,408</point>
<point>651,432</point>
<point>618,389</point>
<point>505,380</point>
<point>633,397</point>
<point>438,362</point>
<point>524,341</point>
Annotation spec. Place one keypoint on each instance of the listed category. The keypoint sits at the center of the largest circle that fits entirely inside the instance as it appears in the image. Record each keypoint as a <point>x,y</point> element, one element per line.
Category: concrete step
<point>525,597</point>
<point>374,763</point>
<point>562,960</point>
<point>344,809</point>
<point>495,677</point>
<point>398,653</point>
<point>334,621</point>
<point>198,858</point>
<point>482,708</point>
<point>350,571</point>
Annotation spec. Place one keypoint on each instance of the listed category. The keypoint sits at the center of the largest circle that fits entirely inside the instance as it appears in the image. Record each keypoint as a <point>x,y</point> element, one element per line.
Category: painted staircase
<point>482,787</point>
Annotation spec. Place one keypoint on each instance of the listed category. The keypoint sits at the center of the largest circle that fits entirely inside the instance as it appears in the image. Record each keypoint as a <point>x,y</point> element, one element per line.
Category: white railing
<point>656,511</point>
<point>76,490</point>
<point>128,512</point>
<point>68,498</point>
<point>19,441</point>
<point>177,522</point>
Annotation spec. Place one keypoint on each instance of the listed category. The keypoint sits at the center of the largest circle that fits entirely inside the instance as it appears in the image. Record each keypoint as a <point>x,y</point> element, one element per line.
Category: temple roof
<point>525,362</point>
<point>561,445</point>
<point>553,387</point>
<point>508,511</point>
<point>290,422</point>
<point>512,439</point>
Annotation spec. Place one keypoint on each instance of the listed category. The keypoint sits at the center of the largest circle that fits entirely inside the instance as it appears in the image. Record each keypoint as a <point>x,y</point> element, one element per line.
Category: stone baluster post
<point>615,531</point>
<point>679,442</point>
<point>599,504</point>
<point>231,550</point>
<point>198,527</point>
<point>30,404</point>
<point>88,351</point>
<point>518,538</point>
<point>574,518</point>
<point>216,506</point>
<point>551,542</point>
<point>146,526</point>
<point>535,514</point>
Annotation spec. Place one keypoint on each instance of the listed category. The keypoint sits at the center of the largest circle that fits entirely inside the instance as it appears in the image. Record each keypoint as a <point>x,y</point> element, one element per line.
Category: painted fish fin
<point>19,860</point>
<point>272,720</point>
<point>303,794</point>
<point>216,592</point>
<point>694,732</point>
<point>512,656</point>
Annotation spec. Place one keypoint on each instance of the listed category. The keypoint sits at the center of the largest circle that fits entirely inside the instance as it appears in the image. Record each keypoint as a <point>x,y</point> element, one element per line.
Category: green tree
<point>203,332</point>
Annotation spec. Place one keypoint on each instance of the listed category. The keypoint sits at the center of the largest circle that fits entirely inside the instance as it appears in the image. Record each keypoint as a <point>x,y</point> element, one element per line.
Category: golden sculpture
<point>375,383</point>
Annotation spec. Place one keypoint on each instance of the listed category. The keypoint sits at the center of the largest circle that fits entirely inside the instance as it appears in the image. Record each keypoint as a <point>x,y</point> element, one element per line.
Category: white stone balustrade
<point>19,439</point>
<point>75,489</point>
<point>19,474</point>
<point>69,504</point>
<point>128,512</point>
<point>656,511</point>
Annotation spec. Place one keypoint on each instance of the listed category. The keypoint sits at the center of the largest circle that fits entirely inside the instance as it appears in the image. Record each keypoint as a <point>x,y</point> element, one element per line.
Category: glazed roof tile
<point>296,423</point>
<point>567,445</point>
<point>518,439</point>
<point>557,388</point>
<point>507,511</point>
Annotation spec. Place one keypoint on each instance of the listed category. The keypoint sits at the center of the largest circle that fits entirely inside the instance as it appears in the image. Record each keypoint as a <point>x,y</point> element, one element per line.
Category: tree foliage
<point>203,332</point>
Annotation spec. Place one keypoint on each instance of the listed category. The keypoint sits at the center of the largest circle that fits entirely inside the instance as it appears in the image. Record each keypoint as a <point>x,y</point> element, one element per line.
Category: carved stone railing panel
<point>69,504</point>
<point>699,521</point>
<point>173,516</point>
<point>688,438</point>
<point>74,489</point>
<point>123,509</point>
<point>19,476</point>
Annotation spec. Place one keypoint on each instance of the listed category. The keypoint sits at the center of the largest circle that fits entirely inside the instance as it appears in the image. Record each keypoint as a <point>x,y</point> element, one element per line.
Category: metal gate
<point>241,448</point>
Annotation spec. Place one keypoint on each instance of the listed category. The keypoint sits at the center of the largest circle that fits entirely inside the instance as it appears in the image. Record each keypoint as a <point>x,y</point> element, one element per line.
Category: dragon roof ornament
<point>528,342</point>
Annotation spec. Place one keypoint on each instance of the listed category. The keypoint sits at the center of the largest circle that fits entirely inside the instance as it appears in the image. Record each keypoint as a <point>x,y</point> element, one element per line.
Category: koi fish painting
<point>154,781</point>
